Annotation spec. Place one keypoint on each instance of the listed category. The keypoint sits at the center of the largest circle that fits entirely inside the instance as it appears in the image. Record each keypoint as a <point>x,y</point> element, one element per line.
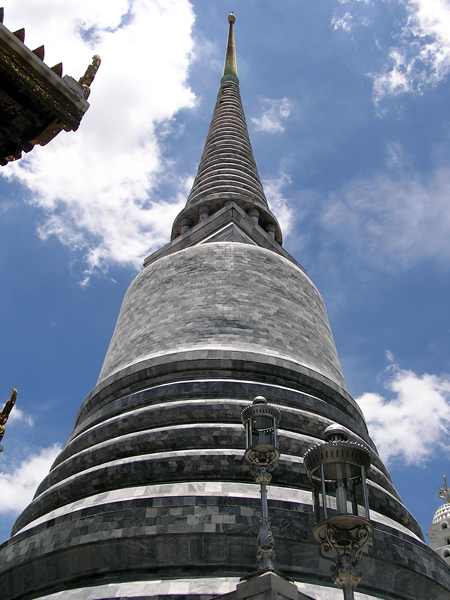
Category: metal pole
<point>265,553</point>
<point>264,507</point>
<point>349,593</point>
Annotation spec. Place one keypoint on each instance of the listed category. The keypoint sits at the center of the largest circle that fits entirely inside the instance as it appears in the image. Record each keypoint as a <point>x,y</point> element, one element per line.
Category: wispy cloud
<point>420,56</point>
<point>397,77</point>
<point>389,356</point>
<point>391,218</point>
<point>344,22</point>
<point>351,14</point>
<point>273,115</point>
<point>280,205</point>
<point>98,187</point>
<point>414,422</point>
<point>19,487</point>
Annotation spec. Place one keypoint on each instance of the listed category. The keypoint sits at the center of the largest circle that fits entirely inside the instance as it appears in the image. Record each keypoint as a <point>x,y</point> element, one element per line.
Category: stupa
<point>439,532</point>
<point>151,496</point>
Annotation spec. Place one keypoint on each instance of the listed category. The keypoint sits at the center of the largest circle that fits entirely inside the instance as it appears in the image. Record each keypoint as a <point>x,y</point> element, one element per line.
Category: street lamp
<point>260,420</point>
<point>337,471</point>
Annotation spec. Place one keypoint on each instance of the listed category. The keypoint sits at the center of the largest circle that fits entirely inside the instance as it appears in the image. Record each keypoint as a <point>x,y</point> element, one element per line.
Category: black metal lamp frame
<point>337,471</point>
<point>261,420</point>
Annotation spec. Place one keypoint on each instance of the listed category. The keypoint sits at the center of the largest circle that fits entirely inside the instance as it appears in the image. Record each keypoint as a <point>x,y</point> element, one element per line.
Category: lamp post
<point>260,420</point>
<point>337,471</point>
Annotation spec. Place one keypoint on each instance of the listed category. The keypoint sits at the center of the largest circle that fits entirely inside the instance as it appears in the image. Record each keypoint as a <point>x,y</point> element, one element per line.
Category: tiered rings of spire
<point>227,169</point>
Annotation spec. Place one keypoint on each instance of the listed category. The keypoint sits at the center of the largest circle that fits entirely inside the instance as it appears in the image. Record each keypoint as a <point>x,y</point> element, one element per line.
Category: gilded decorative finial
<point>444,491</point>
<point>90,74</point>
<point>6,410</point>
<point>230,67</point>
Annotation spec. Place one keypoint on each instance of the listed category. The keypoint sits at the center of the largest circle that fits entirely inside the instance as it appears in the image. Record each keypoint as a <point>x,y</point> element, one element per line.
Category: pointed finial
<point>230,67</point>
<point>444,491</point>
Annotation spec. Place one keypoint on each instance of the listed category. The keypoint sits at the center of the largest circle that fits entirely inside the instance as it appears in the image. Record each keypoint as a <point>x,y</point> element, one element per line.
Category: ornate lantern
<point>337,471</point>
<point>260,420</point>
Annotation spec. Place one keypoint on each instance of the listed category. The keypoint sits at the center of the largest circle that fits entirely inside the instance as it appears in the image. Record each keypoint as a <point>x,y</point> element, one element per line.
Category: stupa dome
<point>442,513</point>
<point>439,532</point>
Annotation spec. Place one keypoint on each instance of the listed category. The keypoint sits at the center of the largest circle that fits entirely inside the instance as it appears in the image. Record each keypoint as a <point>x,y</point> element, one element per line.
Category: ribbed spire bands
<point>227,169</point>
<point>227,164</point>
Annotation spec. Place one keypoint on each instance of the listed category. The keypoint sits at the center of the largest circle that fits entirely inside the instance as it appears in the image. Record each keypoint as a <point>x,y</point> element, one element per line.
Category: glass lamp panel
<point>354,497</point>
<point>330,497</point>
<point>261,422</point>
<point>266,437</point>
<point>365,494</point>
<point>318,502</point>
<point>275,434</point>
<point>248,435</point>
<point>359,495</point>
<point>341,489</point>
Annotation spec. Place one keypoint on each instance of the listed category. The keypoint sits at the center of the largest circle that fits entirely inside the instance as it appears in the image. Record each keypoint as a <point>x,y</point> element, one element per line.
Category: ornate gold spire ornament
<point>6,410</point>
<point>444,491</point>
<point>87,79</point>
<point>230,66</point>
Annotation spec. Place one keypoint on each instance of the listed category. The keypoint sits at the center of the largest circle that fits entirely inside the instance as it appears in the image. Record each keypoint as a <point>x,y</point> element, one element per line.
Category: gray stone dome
<point>224,297</point>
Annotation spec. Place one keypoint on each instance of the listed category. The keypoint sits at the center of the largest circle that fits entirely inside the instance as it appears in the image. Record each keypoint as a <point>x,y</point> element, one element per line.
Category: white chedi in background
<point>439,532</point>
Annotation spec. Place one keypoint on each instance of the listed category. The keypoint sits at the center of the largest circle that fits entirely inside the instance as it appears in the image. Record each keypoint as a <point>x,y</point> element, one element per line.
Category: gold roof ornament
<point>4,414</point>
<point>90,74</point>
<point>230,66</point>
<point>444,491</point>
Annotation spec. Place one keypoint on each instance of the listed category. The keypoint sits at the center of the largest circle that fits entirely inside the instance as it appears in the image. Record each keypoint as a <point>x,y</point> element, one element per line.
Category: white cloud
<point>420,56</point>
<point>278,204</point>
<point>413,424</point>
<point>389,356</point>
<point>396,78</point>
<point>350,14</point>
<point>423,56</point>
<point>344,22</point>
<point>391,218</point>
<point>19,487</point>
<point>396,156</point>
<point>98,187</point>
<point>17,415</point>
<point>271,119</point>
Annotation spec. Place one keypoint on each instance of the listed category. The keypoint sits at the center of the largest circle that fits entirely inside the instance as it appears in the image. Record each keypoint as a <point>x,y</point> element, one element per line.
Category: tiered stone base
<point>151,496</point>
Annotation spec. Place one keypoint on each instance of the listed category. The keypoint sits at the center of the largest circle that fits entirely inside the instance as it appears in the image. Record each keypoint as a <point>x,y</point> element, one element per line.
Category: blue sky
<point>347,108</point>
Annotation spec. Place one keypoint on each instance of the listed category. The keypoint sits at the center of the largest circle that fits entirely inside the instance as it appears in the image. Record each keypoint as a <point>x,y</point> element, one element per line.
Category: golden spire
<point>444,491</point>
<point>230,66</point>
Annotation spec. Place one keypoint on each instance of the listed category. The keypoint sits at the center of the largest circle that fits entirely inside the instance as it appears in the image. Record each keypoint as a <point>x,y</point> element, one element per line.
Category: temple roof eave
<point>37,102</point>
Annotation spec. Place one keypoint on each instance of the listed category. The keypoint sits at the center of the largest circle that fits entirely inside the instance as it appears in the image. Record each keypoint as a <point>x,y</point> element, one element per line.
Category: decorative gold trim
<point>6,411</point>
